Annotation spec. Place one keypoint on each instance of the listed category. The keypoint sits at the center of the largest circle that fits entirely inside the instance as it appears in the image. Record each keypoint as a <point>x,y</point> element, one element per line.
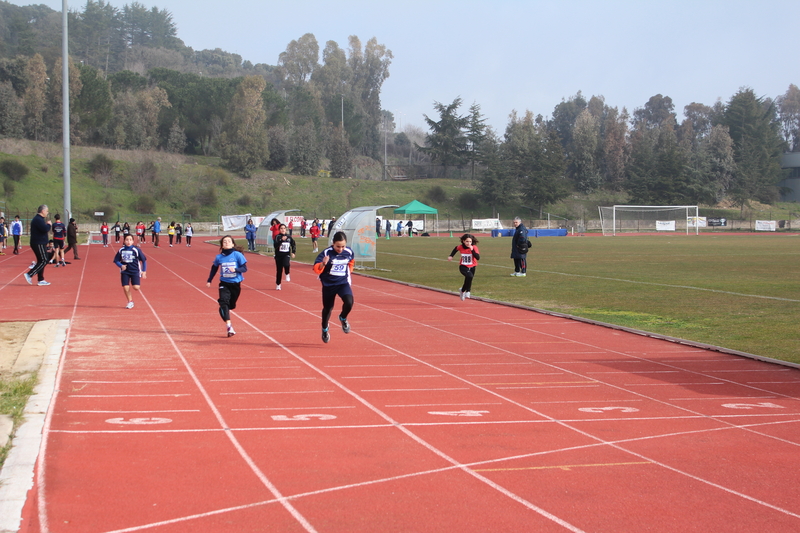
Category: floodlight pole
<point>65,110</point>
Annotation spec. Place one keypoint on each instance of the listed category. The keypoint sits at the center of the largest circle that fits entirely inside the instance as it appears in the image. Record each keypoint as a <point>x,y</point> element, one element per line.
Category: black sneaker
<point>345,324</point>
<point>326,336</point>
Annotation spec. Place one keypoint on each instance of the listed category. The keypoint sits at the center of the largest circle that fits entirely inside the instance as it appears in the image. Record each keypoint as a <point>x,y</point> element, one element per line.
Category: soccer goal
<point>649,218</point>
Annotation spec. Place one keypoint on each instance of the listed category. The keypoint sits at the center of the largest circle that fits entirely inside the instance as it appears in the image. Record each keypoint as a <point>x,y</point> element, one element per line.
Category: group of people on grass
<point>175,232</point>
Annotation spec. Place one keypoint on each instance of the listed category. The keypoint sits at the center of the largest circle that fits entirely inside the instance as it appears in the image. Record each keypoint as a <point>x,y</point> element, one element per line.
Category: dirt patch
<point>12,338</point>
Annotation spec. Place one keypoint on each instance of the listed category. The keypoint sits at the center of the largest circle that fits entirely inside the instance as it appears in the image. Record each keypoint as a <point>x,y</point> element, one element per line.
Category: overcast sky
<point>516,54</point>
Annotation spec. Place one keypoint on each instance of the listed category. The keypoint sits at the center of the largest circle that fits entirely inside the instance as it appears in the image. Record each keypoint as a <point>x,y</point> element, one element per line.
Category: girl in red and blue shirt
<point>469,260</point>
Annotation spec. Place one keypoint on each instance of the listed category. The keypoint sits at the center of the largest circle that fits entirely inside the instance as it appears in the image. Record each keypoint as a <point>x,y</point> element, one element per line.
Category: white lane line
<point>295,408</point>
<point>278,392</point>
<point>393,377</point>
<point>223,424</point>
<point>126,382</point>
<point>140,411</point>
<point>125,395</point>
<point>365,366</point>
<point>262,379</point>
<point>443,404</point>
<point>410,390</point>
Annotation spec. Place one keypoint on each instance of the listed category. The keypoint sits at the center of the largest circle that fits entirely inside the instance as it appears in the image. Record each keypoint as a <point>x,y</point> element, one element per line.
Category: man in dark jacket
<point>72,239</point>
<point>519,248</point>
<point>40,233</point>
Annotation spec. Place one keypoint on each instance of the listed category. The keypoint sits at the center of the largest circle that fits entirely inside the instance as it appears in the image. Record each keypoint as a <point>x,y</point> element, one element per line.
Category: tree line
<point>135,85</point>
<point>726,152</point>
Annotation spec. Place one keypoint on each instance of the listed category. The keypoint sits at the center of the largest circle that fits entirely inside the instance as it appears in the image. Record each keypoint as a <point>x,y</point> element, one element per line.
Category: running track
<point>431,415</point>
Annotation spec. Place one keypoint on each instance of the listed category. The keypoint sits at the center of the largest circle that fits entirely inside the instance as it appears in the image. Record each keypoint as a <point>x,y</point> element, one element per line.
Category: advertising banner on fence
<point>486,224</point>
<point>717,221</point>
<point>696,222</point>
<point>665,225</point>
<point>765,225</point>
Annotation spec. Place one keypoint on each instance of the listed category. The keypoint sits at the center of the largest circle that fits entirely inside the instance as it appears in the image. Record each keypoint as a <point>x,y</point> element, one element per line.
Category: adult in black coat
<point>519,248</point>
<point>40,233</point>
<point>72,239</point>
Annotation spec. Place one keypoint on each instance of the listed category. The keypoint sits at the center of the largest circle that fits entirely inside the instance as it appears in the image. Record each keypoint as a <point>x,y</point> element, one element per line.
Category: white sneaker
<point>522,274</point>
<point>28,278</point>
<point>33,264</point>
<point>129,306</point>
<point>469,295</point>
<point>277,287</point>
<point>288,278</point>
<point>462,294</point>
<point>43,283</point>
<point>231,333</point>
<point>515,274</point>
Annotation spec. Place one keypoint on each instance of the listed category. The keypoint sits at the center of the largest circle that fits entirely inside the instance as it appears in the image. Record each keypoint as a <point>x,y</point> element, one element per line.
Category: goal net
<point>649,218</point>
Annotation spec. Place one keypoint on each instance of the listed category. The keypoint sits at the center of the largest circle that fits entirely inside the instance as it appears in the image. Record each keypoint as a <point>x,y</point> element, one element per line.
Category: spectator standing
<point>104,233</point>
<point>72,238</point>
<point>40,232</point>
<point>59,234</point>
<point>156,232</point>
<point>519,248</point>
<point>378,226</point>
<point>250,231</point>
<point>16,232</point>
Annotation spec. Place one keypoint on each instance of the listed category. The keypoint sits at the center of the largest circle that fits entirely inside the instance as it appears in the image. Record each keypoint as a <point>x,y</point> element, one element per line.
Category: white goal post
<point>649,218</point>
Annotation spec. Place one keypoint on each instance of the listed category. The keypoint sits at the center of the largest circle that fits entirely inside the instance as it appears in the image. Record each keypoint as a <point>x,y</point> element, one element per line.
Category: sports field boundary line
<point>676,340</point>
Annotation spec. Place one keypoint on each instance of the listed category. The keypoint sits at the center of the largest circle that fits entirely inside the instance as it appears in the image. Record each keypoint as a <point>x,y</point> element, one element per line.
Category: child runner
<point>59,234</point>
<point>469,260</point>
<point>314,231</point>
<point>233,265</point>
<point>178,233</point>
<point>334,265</point>
<point>128,259</point>
<point>284,248</point>
<point>189,231</point>
<point>117,228</point>
<point>104,233</point>
<point>140,232</point>
<point>171,232</point>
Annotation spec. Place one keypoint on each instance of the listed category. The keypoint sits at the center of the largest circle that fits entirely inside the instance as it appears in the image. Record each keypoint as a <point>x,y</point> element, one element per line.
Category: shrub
<point>244,201</point>
<point>436,194</point>
<point>16,170</point>
<point>193,210</point>
<point>207,196</point>
<point>217,176</point>
<point>101,166</point>
<point>145,204</point>
<point>9,187</point>
<point>469,201</point>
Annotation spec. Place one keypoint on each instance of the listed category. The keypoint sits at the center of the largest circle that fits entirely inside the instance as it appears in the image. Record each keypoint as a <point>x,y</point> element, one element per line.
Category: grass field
<point>740,292</point>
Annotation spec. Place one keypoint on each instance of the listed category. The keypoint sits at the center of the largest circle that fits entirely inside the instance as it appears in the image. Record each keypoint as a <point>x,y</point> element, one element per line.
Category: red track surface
<point>431,415</point>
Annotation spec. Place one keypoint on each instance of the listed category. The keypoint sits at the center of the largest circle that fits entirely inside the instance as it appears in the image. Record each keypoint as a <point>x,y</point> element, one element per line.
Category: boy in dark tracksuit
<point>285,248</point>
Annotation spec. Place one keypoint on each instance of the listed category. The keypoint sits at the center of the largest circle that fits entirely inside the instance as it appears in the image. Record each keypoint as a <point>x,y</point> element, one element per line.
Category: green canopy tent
<point>415,207</point>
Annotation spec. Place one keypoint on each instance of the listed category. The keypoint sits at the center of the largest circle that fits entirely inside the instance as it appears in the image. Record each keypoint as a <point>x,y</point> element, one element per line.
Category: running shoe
<point>462,294</point>
<point>515,274</point>
<point>28,277</point>
<point>33,264</point>
<point>288,278</point>
<point>58,265</point>
<point>469,295</point>
<point>522,274</point>
<point>278,287</point>
<point>129,306</point>
<point>231,333</point>
<point>345,324</point>
<point>43,283</point>
<point>326,336</point>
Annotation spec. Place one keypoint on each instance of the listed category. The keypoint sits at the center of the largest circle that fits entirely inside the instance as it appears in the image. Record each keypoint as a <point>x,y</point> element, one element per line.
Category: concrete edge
<point>17,475</point>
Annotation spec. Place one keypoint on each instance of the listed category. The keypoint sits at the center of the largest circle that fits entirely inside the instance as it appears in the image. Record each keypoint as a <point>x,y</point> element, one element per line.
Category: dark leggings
<point>329,299</point>
<point>520,264</point>
<point>468,273</point>
<point>228,296</point>
<point>282,263</point>
<point>40,251</point>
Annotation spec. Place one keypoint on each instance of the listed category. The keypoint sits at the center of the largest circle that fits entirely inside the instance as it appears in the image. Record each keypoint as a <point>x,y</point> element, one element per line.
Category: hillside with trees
<point>134,85</point>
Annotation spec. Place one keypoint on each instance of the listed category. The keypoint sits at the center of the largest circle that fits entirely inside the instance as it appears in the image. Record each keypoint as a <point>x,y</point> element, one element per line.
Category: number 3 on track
<point>302,418</point>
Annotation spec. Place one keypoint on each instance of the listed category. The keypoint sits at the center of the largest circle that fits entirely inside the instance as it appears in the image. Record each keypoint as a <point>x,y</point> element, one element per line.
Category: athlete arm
<point>213,273</point>
<point>475,253</point>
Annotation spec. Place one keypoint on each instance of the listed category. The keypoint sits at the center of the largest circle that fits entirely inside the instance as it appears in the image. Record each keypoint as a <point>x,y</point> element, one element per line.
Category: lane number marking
<point>138,421</point>
<point>767,405</point>
<point>463,412</point>
<point>302,418</point>
<point>605,409</point>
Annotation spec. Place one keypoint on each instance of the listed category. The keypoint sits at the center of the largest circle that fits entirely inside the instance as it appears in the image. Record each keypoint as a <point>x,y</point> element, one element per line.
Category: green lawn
<point>740,292</point>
